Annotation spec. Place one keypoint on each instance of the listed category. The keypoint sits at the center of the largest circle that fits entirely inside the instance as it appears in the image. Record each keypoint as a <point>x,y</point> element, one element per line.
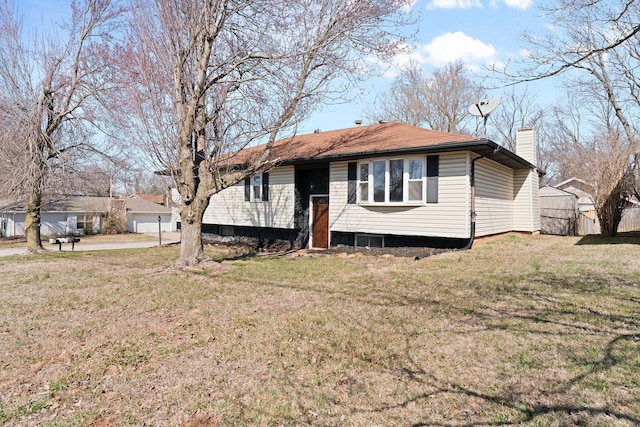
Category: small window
<point>364,182</point>
<point>379,181</point>
<point>226,230</point>
<point>396,180</point>
<point>369,240</point>
<point>416,180</point>
<point>84,222</point>
<point>256,188</point>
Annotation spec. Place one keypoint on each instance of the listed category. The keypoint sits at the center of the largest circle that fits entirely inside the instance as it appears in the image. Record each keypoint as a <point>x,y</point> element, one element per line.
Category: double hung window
<point>256,188</point>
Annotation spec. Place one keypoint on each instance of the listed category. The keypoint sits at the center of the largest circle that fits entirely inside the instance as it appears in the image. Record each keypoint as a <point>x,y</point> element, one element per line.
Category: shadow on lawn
<point>562,401</point>
<point>526,412</point>
<point>626,238</point>
<point>620,349</point>
<point>613,355</point>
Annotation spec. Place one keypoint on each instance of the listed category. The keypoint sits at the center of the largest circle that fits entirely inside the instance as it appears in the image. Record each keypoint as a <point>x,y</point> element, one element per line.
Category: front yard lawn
<point>521,330</point>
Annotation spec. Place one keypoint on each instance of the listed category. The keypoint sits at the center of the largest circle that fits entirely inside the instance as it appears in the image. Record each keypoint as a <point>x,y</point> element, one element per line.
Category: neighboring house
<point>76,215</point>
<point>382,185</point>
<point>142,216</point>
<point>155,198</point>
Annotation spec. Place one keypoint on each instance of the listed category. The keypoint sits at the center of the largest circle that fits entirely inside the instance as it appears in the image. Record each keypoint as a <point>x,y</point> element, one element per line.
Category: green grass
<point>521,330</point>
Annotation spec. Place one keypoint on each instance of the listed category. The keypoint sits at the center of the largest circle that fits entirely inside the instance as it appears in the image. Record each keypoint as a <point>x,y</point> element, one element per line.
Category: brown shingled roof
<point>369,140</point>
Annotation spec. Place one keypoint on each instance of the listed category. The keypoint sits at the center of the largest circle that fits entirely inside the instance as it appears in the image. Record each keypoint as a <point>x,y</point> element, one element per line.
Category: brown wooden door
<point>320,224</point>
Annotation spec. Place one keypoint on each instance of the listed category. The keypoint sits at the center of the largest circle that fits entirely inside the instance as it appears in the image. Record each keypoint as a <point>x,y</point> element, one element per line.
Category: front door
<point>320,222</point>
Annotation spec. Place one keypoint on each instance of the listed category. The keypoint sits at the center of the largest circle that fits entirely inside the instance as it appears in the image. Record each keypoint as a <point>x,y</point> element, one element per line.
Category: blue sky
<point>478,32</point>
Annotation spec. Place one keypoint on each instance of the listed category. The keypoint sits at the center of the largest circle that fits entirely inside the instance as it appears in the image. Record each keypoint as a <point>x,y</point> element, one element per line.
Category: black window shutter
<point>352,176</point>
<point>265,186</point>
<point>247,189</point>
<point>433,171</point>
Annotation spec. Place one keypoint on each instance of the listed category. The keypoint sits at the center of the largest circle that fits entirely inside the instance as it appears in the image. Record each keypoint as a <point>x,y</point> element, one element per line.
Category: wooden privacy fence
<point>586,224</point>
<point>565,224</point>
<point>557,225</point>
<point>630,220</point>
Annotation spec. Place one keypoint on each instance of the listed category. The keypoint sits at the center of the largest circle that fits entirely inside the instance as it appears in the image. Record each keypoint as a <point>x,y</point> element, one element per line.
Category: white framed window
<point>364,182</point>
<point>415,180</point>
<point>84,223</point>
<point>394,181</point>
<point>256,188</point>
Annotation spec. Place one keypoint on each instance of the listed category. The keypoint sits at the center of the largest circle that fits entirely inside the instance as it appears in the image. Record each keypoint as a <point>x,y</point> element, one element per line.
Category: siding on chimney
<point>526,201</point>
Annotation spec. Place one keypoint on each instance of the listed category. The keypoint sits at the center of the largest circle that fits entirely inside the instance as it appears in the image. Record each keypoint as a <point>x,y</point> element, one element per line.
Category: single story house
<point>387,184</point>
<point>142,215</point>
<point>77,215</point>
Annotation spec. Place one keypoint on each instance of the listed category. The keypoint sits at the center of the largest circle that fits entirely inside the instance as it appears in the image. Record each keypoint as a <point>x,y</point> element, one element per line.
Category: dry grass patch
<point>520,330</point>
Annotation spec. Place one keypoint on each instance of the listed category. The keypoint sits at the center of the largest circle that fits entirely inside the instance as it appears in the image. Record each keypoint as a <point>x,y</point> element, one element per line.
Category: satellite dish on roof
<point>483,108</point>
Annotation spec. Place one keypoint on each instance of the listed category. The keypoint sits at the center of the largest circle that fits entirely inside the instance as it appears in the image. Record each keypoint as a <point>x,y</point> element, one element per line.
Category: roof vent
<point>358,123</point>
<point>316,131</point>
<point>382,122</point>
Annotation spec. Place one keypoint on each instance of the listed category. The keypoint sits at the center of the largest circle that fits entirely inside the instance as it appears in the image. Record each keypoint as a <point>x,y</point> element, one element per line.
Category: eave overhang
<point>481,147</point>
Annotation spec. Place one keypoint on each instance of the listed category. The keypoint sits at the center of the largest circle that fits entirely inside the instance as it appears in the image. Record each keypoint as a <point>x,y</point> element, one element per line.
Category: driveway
<point>167,238</point>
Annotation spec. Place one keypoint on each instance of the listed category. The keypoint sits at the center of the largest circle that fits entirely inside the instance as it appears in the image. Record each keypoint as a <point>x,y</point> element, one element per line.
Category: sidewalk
<point>167,238</point>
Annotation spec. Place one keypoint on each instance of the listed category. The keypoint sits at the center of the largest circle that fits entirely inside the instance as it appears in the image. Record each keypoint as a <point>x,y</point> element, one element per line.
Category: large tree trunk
<point>191,248</point>
<point>610,213</point>
<point>32,222</point>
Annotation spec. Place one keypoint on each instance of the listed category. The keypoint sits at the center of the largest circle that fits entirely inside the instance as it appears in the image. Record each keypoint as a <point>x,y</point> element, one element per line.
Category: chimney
<point>526,145</point>
<point>358,123</point>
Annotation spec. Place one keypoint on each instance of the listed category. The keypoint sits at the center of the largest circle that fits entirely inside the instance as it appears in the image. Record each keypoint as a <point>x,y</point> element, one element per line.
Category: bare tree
<point>50,88</point>
<point>580,31</point>
<point>594,45</point>
<point>519,109</point>
<point>439,101</point>
<point>591,146</point>
<point>99,176</point>
<point>213,77</point>
<point>404,101</point>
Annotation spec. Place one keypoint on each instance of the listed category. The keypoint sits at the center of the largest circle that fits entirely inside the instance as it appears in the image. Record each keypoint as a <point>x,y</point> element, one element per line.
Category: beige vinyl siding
<point>494,198</point>
<point>526,203</point>
<point>447,218</point>
<point>229,207</point>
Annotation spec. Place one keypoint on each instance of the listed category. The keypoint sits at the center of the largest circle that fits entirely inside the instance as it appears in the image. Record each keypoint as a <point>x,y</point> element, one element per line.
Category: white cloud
<point>519,4</point>
<point>446,48</point>
<point>450,47</point>
<point>470,4</point>
<point>454,4</point>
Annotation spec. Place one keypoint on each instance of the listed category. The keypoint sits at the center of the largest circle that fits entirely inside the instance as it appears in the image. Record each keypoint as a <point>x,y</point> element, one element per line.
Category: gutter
<point>477,146</point>
<point>472,216</point>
